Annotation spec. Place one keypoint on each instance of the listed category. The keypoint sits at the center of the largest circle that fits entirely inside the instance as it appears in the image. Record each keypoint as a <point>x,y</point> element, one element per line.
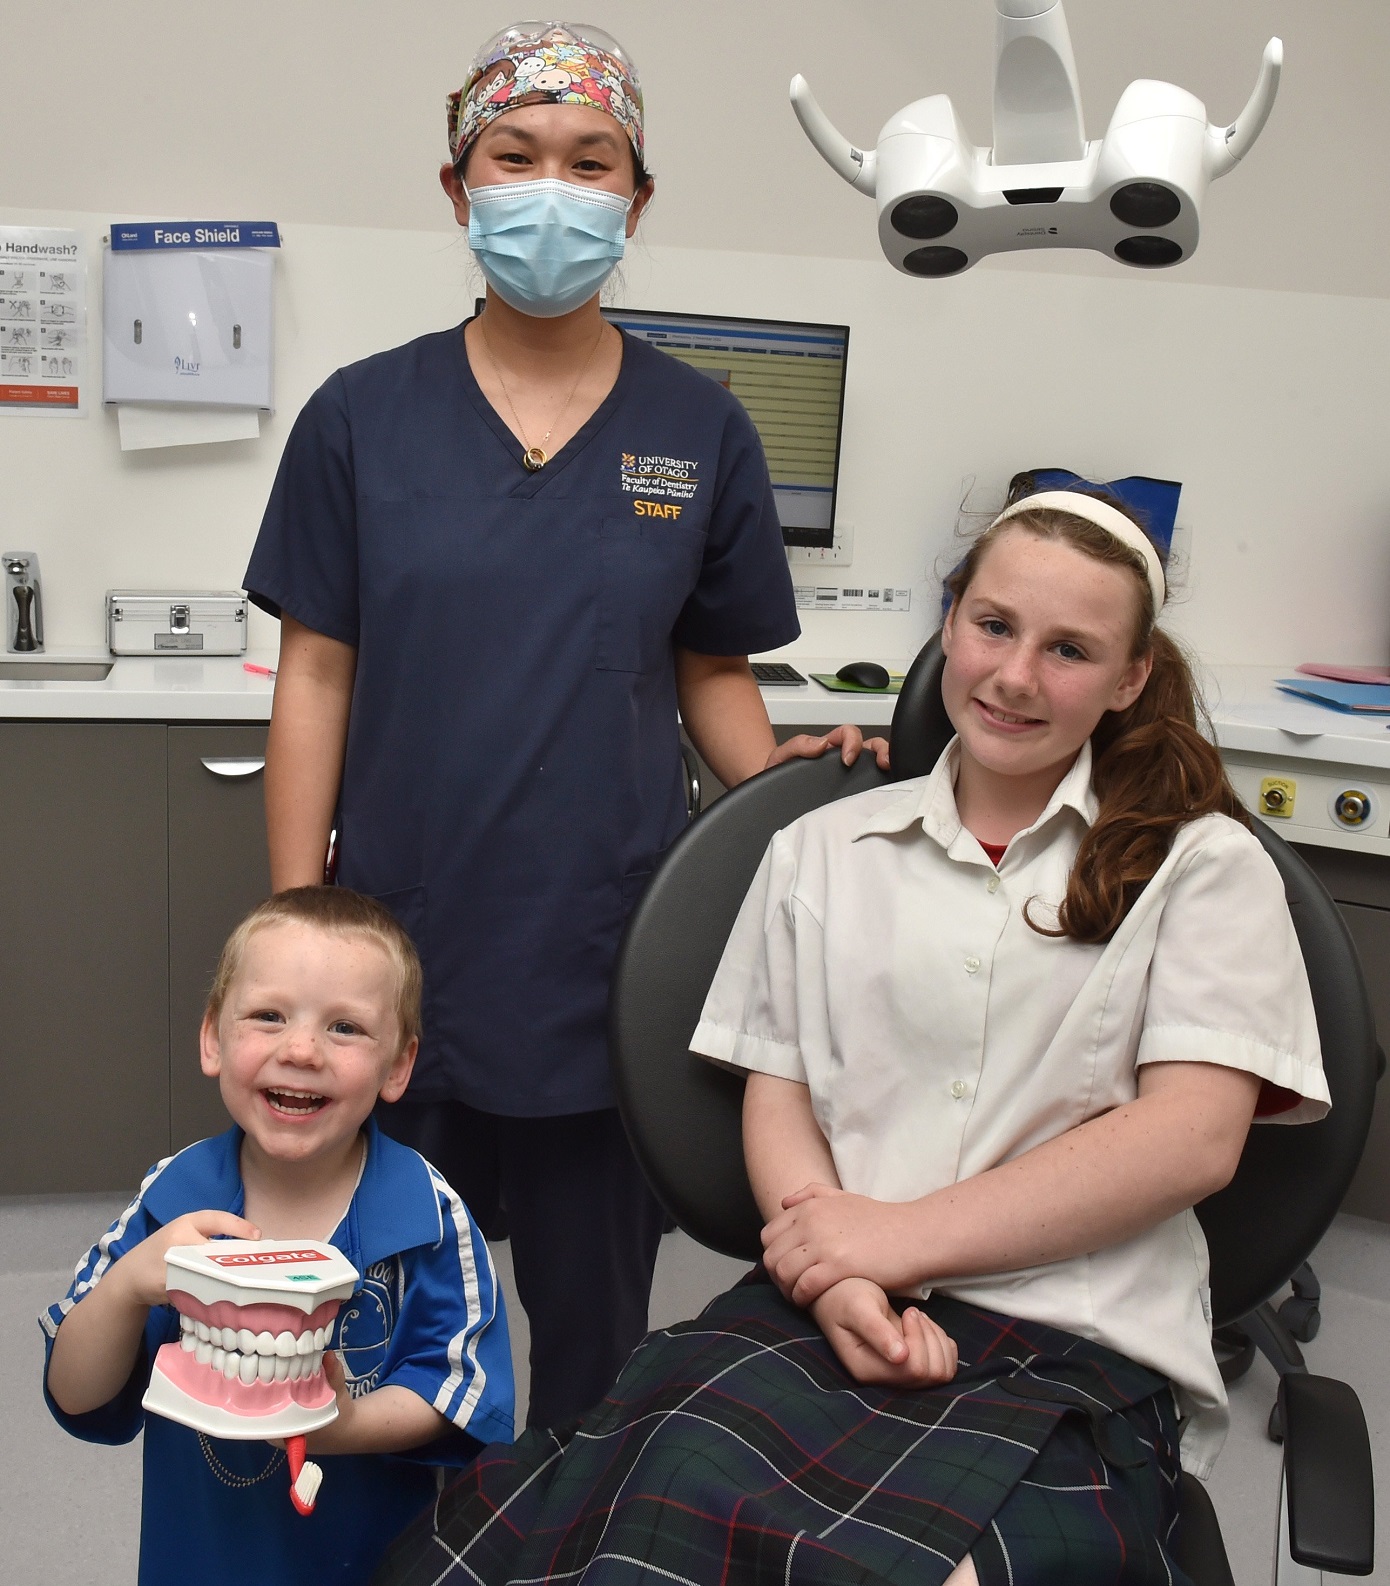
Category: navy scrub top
<point>513,768</point>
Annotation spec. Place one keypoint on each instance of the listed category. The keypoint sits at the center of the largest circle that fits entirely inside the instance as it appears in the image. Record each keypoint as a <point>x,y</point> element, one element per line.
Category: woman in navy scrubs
<point>504,556</point>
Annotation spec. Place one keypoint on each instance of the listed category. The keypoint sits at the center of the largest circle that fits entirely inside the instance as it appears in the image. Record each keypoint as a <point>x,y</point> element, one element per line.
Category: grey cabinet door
<point>84,955</point>
<point>1369,1195</point>
<point>218,870</point>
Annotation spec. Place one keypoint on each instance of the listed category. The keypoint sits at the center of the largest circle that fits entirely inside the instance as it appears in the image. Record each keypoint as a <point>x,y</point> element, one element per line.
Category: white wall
<point>332,112</point>
<point>1270,406</point>
<point>1254,373</point>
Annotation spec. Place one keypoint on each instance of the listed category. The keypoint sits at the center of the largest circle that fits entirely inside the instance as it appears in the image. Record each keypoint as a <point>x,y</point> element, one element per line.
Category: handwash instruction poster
<point>43,320</point>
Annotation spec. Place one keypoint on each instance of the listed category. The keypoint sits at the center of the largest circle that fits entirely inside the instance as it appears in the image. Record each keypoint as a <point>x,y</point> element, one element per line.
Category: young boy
<point>314,1013</point>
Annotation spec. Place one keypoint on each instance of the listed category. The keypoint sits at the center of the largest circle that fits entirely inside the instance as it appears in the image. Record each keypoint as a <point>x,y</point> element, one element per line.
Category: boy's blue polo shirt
<point>428,1316</point>
<point>513,768</point>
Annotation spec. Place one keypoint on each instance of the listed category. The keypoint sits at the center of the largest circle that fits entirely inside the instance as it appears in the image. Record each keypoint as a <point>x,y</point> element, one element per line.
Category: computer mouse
<point>864,674</point>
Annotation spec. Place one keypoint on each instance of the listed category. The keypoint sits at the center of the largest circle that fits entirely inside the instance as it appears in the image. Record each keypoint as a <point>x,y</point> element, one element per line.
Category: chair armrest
<point>1327,1471</point>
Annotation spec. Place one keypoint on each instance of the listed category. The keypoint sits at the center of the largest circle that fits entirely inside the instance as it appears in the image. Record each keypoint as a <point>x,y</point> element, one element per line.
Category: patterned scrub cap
<point>546,63</point>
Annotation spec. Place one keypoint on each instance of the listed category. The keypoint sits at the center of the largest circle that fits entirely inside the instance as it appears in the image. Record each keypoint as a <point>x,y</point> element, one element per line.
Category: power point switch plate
<point>1277,794</point>
<point>841,551</point>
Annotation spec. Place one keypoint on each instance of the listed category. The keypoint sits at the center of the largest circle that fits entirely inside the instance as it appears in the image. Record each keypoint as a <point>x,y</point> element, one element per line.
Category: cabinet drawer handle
<point>234,765</point>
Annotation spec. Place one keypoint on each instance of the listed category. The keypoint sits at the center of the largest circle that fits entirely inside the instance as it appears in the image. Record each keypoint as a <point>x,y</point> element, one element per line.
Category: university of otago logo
<point>660,485</point>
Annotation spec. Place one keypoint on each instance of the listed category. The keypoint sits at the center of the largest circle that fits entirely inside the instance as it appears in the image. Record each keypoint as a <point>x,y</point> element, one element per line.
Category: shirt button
<point>992,885</point>
<point>971,964</point>
<point>958,1088</point>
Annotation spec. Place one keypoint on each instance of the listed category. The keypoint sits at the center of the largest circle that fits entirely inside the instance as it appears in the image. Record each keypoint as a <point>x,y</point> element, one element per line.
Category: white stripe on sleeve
<point>463,1346</point>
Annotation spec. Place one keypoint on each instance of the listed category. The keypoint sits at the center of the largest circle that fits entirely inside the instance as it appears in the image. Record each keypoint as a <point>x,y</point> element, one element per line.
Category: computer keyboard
<point>776,674</point>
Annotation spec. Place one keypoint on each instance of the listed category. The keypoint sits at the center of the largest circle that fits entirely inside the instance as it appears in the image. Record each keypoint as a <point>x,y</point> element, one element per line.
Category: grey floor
<point>69,1513</point>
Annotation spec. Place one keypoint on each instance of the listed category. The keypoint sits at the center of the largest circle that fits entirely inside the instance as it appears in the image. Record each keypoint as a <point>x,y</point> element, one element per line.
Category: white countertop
<point>1248,712</point>
<point>1251,715</point>
<point>145,688</point>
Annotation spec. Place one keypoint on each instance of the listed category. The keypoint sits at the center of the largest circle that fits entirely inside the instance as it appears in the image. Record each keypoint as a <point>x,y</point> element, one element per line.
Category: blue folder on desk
<point>1357,699</point>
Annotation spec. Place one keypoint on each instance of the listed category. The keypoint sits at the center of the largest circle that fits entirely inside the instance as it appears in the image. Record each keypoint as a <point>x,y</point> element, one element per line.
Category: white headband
<point>1104,516</point>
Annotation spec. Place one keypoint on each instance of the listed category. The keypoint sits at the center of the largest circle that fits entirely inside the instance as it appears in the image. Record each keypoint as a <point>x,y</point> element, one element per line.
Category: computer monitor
<point>790,376</point>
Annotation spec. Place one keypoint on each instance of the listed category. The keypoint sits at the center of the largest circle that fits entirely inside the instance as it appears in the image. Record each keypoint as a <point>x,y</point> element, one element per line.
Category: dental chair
<point>683,1116</point>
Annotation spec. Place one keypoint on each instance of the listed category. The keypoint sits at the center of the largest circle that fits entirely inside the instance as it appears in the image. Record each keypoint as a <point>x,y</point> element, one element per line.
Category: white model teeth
<point>255,1357</point>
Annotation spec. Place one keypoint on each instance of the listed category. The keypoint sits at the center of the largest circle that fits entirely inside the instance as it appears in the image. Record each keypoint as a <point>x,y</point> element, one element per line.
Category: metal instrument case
<point>175,622</point>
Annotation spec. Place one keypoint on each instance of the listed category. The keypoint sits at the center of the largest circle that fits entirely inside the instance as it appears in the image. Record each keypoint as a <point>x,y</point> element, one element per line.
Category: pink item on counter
<point>1345,674</point>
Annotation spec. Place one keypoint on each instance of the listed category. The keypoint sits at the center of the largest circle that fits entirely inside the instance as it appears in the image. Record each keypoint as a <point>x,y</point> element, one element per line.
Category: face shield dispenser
<point>188,325</point>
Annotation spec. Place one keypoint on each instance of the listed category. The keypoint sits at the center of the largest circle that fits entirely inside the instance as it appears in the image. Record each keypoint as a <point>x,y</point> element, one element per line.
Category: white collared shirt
<point>882,960</point>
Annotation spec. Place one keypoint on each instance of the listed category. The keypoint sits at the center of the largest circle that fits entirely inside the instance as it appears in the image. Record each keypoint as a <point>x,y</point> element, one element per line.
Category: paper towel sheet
<point>143,427</point>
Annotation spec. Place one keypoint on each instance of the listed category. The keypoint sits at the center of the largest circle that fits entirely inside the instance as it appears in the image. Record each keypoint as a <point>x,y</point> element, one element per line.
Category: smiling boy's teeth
<point>295,1101</point>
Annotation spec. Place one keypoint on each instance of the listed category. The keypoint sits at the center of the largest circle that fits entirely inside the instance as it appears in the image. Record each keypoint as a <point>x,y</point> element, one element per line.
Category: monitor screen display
<point>791,378</point>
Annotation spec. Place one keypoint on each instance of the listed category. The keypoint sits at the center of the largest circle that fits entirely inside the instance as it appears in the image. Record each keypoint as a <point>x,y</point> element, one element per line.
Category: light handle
<point>1230,145</point>
<point>855,165</point>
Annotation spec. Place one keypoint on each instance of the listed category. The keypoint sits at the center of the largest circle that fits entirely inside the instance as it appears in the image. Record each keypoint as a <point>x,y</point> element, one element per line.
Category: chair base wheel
<point>1302,1318</point>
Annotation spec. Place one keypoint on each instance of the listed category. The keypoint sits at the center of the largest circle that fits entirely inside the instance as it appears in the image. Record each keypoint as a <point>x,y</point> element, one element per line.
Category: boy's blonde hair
<point>340,912</point>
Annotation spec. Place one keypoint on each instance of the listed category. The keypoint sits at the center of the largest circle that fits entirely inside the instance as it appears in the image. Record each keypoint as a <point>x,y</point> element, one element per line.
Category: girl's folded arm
<point>783,1146</point>
<point>1097,1185</point>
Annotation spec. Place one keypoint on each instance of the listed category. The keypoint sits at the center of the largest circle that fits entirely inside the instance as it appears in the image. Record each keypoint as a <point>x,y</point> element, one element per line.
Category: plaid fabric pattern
<point>735,1451</point>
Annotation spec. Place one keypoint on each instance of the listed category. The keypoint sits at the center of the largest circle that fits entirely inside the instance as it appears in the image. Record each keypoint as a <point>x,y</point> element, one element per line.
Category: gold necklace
<point>536,457</point>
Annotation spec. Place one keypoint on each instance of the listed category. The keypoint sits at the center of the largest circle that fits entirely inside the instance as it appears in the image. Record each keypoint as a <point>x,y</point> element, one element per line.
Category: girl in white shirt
<point>1003,1027</point>
<point>1006,1025</point>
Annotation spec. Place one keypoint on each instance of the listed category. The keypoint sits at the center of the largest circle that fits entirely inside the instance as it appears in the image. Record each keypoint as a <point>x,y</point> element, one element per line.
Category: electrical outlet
<point>841,551</point>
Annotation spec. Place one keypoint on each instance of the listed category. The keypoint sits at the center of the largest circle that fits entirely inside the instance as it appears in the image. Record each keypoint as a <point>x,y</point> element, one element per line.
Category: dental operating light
<point>1135,194</point>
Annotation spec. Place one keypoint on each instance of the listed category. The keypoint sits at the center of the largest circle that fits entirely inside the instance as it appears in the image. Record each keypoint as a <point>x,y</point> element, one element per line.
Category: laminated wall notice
<point>43,320</point>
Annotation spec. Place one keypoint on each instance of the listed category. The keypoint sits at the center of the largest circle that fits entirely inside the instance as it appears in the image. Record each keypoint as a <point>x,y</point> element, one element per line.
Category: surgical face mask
<point>546,246</point>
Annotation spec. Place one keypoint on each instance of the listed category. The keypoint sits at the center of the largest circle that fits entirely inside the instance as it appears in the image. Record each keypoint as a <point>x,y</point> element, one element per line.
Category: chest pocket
<point>647,570</point>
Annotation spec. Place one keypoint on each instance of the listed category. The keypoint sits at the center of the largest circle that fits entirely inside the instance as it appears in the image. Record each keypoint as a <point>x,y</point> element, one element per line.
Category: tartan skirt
<point>734,1450</point>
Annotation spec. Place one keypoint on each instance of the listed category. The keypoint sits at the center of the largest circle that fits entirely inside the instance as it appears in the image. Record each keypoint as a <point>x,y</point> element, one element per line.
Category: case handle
<point>234,765</point>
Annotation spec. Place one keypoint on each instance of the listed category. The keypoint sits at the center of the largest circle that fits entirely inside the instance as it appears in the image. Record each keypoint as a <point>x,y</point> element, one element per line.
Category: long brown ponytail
<point>1152,771</point>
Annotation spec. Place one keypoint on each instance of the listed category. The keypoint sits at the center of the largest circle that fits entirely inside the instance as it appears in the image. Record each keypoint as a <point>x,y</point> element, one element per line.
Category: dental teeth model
<point>255,1319</point>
